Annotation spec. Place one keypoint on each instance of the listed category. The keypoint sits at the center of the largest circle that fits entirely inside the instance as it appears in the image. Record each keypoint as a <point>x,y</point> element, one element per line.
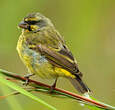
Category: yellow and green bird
<point>44,52</point>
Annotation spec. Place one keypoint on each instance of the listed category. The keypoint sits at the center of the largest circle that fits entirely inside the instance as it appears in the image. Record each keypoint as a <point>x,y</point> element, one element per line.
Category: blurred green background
<point>88,27</point>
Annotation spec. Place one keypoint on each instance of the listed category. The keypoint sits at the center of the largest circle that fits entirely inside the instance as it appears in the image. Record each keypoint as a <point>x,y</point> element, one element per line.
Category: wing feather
<point>62,58</point>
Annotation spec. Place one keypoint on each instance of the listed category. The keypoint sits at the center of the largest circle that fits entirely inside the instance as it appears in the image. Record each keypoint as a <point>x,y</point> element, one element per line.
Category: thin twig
<point>76,96</point>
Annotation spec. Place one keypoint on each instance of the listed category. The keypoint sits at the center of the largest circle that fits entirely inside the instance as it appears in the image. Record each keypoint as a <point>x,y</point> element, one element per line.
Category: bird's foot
<point>27,79</point>
<point>51,90</point>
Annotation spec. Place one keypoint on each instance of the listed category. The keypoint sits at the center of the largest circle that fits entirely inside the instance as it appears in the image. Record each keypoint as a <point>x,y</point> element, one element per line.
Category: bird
<point>44,52</point>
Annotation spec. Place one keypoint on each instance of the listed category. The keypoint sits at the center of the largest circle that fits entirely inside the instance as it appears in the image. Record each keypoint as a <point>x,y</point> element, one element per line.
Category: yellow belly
<point>38,64</point>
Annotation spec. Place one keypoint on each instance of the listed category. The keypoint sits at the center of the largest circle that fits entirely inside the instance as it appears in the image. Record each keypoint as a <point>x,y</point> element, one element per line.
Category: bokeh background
<point>88,27</point>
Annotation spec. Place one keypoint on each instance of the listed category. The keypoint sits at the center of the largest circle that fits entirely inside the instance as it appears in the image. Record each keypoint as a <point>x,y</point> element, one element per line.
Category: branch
<point>37,84</point>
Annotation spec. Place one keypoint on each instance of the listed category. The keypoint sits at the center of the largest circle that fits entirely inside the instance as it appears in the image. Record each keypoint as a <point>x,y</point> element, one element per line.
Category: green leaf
<point>12,102</point>
<point>24,92</point>
<point>91,107</point>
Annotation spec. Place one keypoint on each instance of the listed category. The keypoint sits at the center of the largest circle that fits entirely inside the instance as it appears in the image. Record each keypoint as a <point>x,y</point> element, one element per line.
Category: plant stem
<point>76,96</point>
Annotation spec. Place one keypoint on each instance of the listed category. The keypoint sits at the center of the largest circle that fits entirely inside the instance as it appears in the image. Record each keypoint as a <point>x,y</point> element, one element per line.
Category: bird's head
<point>34,22</point>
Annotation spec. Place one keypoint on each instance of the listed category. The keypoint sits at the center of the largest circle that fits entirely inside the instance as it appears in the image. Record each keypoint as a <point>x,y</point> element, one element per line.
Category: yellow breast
<point>38,64</point>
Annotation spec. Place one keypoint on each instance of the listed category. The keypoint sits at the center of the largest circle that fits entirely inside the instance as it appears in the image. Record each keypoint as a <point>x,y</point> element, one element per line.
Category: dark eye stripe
<point>31,22</point>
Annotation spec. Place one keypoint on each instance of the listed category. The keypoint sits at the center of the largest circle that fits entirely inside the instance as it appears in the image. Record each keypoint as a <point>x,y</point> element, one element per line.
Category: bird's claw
<point>27,79</point>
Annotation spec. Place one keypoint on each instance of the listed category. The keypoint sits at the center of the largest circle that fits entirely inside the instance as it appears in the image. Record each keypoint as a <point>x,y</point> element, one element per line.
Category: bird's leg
<point>53,86</point>
<point>27,79</point>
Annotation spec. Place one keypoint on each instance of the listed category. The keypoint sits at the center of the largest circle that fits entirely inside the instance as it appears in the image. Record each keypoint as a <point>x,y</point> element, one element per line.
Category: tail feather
<point>79,85</point>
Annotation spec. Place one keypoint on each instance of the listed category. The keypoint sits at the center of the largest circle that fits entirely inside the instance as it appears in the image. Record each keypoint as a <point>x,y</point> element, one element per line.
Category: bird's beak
<point>23,25</point>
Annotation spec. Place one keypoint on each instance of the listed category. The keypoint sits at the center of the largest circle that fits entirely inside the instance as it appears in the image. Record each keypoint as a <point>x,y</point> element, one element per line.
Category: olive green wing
<point>61,57</point>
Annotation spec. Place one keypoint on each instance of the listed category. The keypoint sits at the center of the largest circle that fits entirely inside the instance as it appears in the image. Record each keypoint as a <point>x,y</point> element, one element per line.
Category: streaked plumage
<point>44,52</point>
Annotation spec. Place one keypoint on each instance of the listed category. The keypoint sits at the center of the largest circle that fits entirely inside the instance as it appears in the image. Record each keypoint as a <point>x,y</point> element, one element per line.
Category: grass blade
<point>24,92</point>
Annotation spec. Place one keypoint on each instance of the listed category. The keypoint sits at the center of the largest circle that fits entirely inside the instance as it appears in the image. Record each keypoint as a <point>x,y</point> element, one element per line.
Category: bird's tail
<point>79,85</point>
